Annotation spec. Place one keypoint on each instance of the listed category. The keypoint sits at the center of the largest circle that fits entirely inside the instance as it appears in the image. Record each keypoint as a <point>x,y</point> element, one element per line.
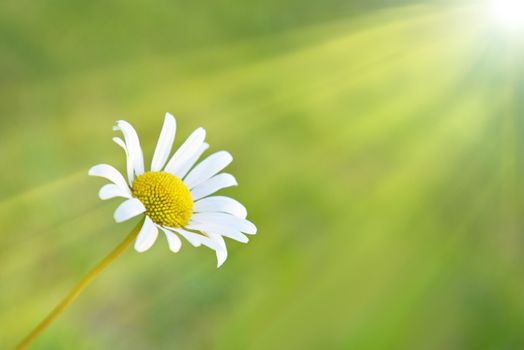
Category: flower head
<point>175,195</point>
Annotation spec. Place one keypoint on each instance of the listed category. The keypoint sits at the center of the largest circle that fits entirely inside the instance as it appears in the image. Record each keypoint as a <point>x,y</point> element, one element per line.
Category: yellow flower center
<point>167,200</point>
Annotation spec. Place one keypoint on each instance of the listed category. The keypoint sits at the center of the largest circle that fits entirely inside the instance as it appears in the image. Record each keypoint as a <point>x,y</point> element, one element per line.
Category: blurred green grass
<point>377,150</point>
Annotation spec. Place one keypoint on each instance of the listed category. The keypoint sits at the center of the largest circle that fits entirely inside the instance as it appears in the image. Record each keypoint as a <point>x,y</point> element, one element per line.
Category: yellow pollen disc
<point>167,200</point>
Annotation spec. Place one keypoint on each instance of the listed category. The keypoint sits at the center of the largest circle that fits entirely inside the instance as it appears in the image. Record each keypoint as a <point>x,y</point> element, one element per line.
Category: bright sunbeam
<point>508,13</point>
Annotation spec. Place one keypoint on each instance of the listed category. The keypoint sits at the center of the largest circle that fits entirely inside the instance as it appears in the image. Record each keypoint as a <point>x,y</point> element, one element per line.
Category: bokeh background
<point>377,144</point>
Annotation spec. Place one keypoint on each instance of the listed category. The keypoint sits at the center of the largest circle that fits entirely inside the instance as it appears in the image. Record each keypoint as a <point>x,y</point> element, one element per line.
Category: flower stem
<point>80,287</point>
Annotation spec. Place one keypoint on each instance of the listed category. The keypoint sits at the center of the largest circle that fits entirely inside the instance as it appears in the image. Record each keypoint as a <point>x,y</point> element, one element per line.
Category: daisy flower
<point>176,197</point>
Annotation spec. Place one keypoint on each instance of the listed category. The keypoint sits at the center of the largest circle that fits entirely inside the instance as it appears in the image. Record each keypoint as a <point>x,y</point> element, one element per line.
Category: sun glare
<point>508,13</point>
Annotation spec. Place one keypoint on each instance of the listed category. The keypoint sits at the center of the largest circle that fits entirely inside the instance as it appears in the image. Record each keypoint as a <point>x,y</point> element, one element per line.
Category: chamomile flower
<point>176,197</point>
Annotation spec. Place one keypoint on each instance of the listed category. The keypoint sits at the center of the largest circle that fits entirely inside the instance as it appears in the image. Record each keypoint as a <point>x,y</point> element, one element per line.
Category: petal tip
<point>117,218</point>
<point>139,249</point>
<point>221,259</point>
<point>251,228</point>
<point>228,155</point>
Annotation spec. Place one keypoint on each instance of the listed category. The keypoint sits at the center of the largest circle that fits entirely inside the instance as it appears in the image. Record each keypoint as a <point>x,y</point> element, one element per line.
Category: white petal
<point>191,237</point>
<point>183,170</point>
<point>110,173</point>
<point>212,185</point>
<point>129,161</point>
<point>186,151</point>
<point>196,240</point>
<point>111,191</point>
<point>221,230</point>
<point>133,146</point>
<point>147,236</point>
<point>226,220</point>
<point>222,252</point>
<point>209,167</point>
<point>165,143</point>
<point>221,204</point>
<point>173,240</point>
<point>129,209</point>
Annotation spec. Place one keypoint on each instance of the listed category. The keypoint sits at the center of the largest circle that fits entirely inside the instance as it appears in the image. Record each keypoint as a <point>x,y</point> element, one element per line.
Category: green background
<point>377,144</point>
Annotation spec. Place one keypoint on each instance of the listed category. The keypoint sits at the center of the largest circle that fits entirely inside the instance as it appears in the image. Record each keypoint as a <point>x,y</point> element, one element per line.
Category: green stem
<point>80,287</point>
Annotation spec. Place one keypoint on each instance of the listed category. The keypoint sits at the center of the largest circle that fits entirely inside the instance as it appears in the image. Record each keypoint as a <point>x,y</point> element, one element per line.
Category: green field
<point>377,145</point>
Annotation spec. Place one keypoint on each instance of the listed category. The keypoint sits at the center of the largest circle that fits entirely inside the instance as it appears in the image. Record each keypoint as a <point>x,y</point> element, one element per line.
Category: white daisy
<point>175,196</point>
